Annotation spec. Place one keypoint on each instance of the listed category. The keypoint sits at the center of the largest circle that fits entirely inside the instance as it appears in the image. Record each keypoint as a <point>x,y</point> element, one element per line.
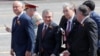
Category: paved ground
<point>6,16</point>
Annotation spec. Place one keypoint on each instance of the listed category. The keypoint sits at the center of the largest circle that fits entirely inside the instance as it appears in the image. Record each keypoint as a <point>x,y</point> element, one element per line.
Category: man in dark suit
<point>69,16</point>
<point>95,17</point>
<point>48,36</point>
<point>22,32</point>
<point>83,40</point>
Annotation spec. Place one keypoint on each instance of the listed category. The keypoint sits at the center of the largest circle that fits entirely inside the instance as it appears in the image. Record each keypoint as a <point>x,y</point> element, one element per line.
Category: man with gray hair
<point>67,23</point>
<point>83,41</point>
<point>69,12</point>
<point>48,38</point>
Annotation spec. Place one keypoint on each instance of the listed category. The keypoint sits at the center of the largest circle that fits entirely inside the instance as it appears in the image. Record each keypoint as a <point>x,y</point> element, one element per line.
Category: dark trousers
<point>19,54</point>
<point>44,54</point>
<point>98,52</point>
<point>47,54</point>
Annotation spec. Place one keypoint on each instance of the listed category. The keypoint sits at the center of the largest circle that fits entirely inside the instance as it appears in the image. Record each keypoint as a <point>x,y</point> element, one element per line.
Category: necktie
<point>16,19</point>
<point>67,32</point>
<point>44,31</point>
<point>68,28</point>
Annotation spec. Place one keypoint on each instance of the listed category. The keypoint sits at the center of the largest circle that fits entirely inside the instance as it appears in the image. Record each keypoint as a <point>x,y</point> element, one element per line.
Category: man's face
<point>47,17</point>
<point>67,12</point>
<point>78,15</point>
<point>30,11</point>
<point>17,8</point>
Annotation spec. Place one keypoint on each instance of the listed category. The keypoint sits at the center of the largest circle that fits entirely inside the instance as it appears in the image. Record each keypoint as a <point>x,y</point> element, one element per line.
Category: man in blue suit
<point>22,32</point>
<point>96,17</point>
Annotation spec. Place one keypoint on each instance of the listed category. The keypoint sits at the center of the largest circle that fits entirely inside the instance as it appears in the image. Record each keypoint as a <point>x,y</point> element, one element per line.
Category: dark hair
<point>84,10</point>
<point>90,4</point>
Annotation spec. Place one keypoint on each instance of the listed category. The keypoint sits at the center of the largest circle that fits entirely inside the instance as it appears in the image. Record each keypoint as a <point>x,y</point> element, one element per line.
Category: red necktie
<point>44,31</point>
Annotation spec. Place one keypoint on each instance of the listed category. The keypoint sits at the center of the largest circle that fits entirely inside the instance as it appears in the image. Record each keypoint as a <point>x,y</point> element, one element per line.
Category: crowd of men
<point>77,34</point>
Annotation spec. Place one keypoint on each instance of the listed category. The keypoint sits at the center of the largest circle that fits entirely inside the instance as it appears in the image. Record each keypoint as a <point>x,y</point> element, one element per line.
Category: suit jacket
<point>63,24</point>
<point>96,18</point>
<point>83,39</point>
<point>50,42</point>
<point>22,34</point>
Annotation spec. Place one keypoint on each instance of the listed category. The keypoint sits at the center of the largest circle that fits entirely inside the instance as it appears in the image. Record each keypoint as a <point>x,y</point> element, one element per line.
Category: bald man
<point>22,31</point>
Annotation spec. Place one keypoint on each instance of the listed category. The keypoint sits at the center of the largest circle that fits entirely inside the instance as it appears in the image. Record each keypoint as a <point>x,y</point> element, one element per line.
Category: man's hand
<point>12,52</point>
<point>52,55</point>
<point>27,53</point>
<point>7,28</point>
<point>66,53</point>
<point>34,54</point>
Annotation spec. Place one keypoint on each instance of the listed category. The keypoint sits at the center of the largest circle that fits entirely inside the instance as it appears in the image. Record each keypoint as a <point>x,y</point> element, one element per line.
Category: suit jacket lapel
<point>41,28</point>
<point>73,25</point>
<point>14,24</point>
<point>46,33</point>
<point>48,29</point>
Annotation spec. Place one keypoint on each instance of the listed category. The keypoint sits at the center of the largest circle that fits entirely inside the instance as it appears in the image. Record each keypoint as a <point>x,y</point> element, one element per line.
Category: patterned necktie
<point>44,31</point>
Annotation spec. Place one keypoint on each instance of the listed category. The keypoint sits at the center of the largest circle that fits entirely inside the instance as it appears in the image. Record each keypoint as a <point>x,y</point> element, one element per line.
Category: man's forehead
<point>66,8</point>
<point>48,13</point>
<point>17,3</point>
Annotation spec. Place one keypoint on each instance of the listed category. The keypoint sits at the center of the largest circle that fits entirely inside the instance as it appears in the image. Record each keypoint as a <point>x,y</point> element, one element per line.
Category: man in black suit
<point>83,40</point>
<point>48,36</point>
<point>96,17</point>
<point>69,16</point>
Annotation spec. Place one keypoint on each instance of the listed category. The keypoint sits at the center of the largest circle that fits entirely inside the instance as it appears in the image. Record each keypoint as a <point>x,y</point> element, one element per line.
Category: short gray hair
<point>84,9</point>
<point>70,5</point>
<point>46,11</point>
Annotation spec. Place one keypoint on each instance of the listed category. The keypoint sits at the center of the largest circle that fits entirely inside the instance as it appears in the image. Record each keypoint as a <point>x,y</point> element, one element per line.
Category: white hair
<point>70,5</point>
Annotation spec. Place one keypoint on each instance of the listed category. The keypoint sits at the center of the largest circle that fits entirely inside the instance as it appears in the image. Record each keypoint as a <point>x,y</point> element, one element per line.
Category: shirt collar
<point>45,25</point>
<point>20,14</point>
<point>71,19</point>
<point>84,19</point>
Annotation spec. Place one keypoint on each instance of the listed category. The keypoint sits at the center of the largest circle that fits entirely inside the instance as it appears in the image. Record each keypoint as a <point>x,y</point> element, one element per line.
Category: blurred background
<point>6,16</point>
